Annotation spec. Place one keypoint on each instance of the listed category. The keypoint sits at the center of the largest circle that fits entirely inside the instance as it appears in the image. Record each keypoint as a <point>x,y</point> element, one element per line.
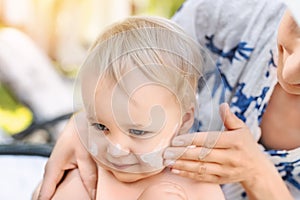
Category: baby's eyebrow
<point>141,127</point>
<point>90,117</point>
<point>135,125</point>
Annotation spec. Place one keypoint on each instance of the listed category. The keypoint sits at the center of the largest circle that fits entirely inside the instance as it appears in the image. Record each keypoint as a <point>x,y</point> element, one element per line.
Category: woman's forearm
<point>267,185</point>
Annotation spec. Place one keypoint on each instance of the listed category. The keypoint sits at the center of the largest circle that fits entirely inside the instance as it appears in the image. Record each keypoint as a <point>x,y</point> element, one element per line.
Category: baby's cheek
<point>154,159</point>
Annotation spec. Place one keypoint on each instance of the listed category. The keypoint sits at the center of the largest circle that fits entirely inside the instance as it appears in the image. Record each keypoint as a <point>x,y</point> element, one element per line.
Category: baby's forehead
<point>110,96</point>
<point>129,84</point>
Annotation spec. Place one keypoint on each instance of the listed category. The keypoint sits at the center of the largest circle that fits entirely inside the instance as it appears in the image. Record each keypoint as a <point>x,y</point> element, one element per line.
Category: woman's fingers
<point>88,173</point>
<point>195,149</point>
<point>54,170</point>
<point>231,121</point>
<point>199,139</point>
<point>195,154</point>
<point>200,171</point>
<point>68,153</point>
<point>52,176</point>
<point>61,159</point>
<point>223,139</point>
<point>213,139</point>
<point>234,157</point>
<point>228,140</point>
<point>207,171</point>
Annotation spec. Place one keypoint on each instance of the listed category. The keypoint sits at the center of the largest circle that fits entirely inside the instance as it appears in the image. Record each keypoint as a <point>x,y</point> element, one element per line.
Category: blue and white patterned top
<point>241,39</point>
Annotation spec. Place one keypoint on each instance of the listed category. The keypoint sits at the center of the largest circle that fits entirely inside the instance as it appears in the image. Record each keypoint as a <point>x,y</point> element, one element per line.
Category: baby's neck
<point>109,187</point>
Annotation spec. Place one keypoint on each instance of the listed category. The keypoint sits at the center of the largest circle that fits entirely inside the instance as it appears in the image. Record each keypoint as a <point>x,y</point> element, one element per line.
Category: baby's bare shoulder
<point>193,190</point>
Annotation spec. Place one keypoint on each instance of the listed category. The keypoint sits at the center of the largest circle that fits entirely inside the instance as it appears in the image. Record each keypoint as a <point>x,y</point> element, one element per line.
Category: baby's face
<point>288,71</point>
<point>128,131</point>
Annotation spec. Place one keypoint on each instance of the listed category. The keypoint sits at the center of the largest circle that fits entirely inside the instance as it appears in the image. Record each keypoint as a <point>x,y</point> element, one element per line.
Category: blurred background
<point>42,44</point>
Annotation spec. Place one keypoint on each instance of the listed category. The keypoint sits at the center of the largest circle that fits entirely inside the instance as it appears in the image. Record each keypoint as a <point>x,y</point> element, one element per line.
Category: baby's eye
<point>100,127</point>
<point>137,132</point>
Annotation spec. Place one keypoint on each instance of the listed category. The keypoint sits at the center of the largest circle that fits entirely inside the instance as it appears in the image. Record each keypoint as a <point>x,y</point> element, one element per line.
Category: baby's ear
<point>187,121</point>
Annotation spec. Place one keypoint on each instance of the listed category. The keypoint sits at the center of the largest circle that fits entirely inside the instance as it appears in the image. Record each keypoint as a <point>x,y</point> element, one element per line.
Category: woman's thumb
<point>231,121</point>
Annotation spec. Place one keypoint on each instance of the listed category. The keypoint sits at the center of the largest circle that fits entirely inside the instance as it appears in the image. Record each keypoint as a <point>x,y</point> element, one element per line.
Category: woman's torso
<point>244,50</point>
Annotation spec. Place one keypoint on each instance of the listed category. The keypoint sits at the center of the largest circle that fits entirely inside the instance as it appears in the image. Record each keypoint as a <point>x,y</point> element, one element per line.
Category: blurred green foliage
<point>164,8</point>
<point>14,117</point>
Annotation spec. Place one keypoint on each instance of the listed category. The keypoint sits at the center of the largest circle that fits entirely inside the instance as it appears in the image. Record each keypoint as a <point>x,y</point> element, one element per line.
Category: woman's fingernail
<point>93,193</point>
<point>175,171</point>
<point>177,142</point>
<point>191,147</point>
<point>169,163</point>
<point>169,154</point>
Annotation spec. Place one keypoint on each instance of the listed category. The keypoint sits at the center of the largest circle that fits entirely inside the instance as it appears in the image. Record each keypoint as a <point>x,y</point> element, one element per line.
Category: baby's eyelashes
<point>131,132</point>
<point>137,132</point>
<point>100,127</point>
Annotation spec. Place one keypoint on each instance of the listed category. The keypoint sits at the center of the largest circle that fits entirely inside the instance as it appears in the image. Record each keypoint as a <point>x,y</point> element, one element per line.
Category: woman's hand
<point>68,154</point>
<point>236,157</point>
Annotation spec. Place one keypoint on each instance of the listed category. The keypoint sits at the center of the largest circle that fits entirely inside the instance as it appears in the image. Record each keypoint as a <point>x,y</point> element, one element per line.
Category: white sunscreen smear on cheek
<point>93,148</point>
<point>155,158</point>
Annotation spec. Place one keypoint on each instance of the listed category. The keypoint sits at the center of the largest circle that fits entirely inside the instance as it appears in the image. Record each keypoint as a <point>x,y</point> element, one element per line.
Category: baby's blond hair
<point>159,48</point>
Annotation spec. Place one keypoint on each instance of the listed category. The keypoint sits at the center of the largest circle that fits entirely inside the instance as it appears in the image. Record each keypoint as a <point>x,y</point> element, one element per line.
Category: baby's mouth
<point>297,85</point>
<point>122,166</point>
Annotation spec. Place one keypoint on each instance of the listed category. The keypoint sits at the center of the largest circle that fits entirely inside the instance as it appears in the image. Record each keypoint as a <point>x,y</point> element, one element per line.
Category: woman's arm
<point>236,157</point>
<point>68,154</point>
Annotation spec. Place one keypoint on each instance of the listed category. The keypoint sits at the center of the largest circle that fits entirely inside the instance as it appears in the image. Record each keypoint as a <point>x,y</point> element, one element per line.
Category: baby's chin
<point>133,177</point>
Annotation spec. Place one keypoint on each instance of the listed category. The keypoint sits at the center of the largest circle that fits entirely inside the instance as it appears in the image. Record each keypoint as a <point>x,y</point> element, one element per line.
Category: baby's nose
<point>116,150</point>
